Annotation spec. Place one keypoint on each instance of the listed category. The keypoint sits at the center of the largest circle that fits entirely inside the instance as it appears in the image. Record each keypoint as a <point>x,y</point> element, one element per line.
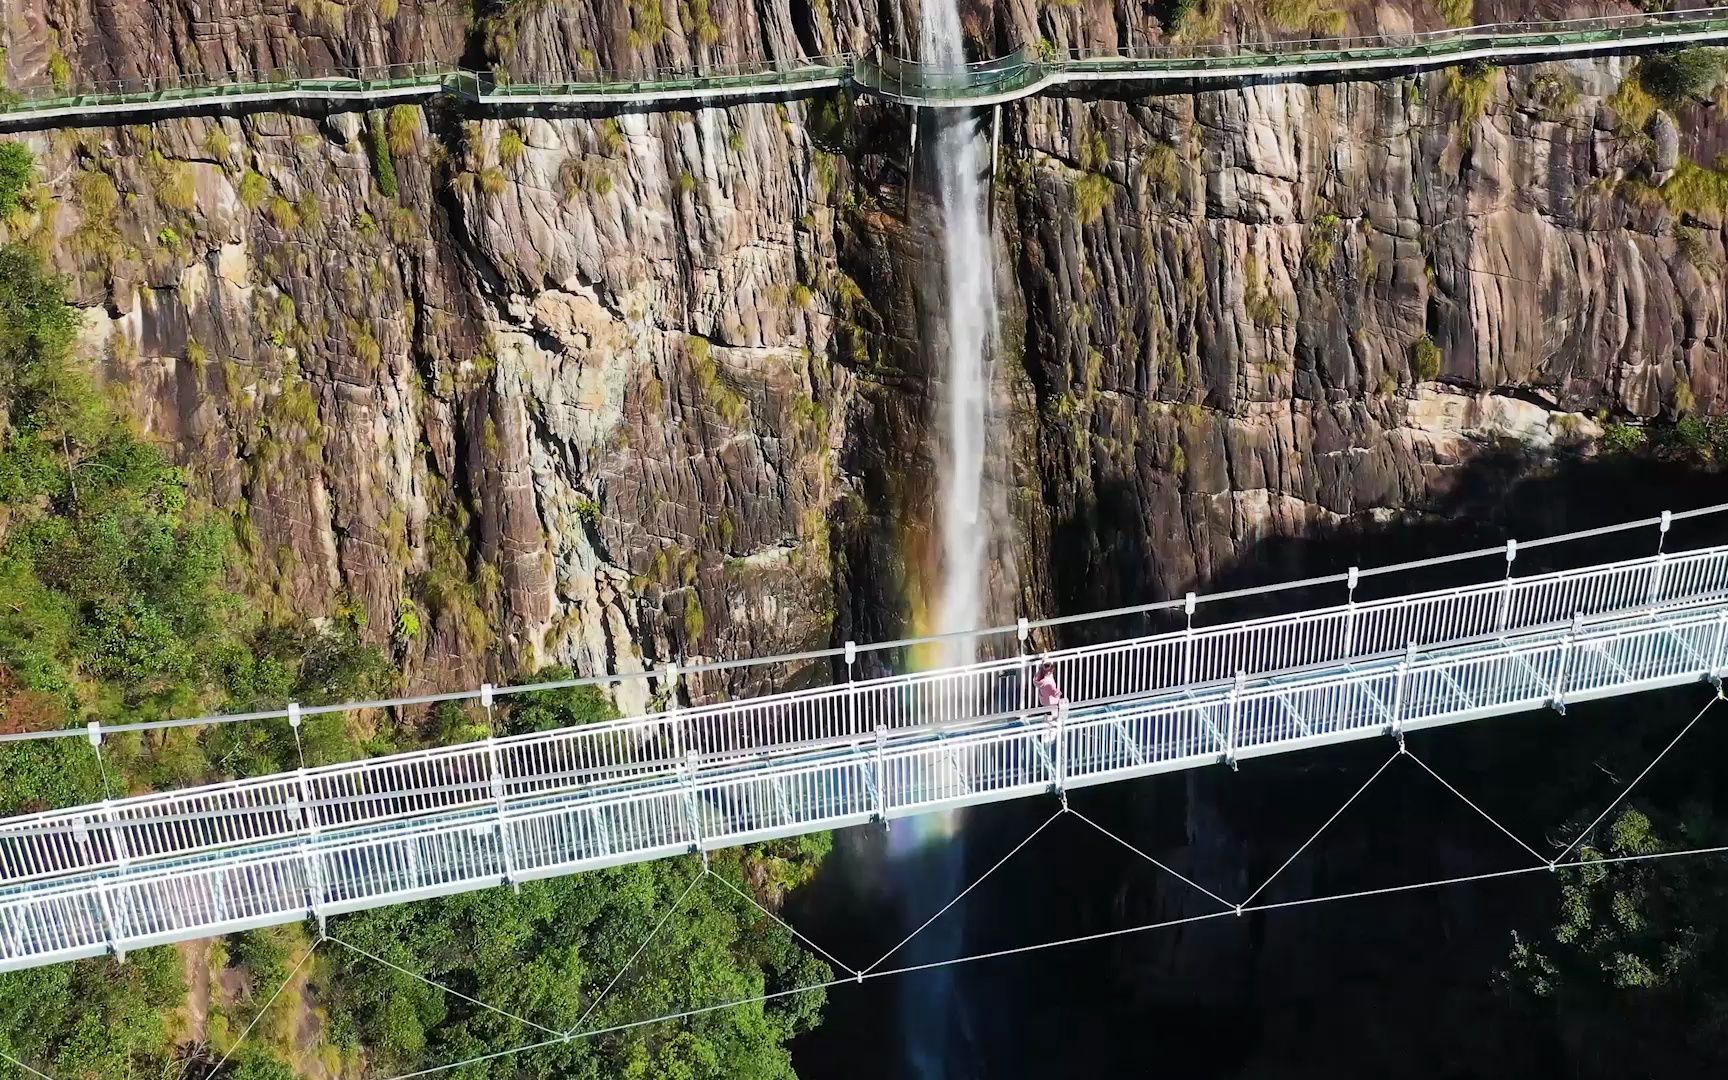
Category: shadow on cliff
<point>1399,984</point>
<point>1103,555</point>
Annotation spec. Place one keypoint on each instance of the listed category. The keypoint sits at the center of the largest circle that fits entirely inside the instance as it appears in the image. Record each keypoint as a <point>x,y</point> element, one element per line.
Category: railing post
<point>1230,720</point>
<point>1350,614</point>
<point>13,942</point>
<point>671,679</point>
<point>1396,728</point>
<point>1024,631</point>
<point>1506,589</point>
<point>690,806</point>
<point>1558,702</point>
<point>105,894</point>
<point>1061,754</point>
<point>1716,650</point>
<point>506,852</point>
<point>1188,642</point>
<point>308,855</point>
<point>851,689</point>
<point>1657,570</point>
<point>881,767</point>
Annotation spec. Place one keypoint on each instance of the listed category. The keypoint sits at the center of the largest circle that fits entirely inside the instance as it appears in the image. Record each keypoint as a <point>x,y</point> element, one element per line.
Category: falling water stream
<point>932,1017</point>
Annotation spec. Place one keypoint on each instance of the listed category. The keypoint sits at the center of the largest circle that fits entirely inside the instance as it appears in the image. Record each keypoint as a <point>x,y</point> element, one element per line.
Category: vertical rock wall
<point>609,390</point>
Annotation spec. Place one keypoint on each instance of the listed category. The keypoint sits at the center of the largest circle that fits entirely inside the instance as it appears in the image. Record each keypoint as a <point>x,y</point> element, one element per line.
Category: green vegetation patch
<point>378,149</point>
<point>1471,87</point>
<point>1674,79</point>
<point>1696,190</point>
<point>1092,193</point>
<point>1312,16</point>
<point>17,173</point>
<point>1425,359</point>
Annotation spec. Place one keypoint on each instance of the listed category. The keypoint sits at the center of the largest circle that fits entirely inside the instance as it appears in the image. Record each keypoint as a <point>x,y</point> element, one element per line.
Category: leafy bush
<point>1425,359</point>
<point>1623,438</point>
<point>1173,14</point>
<point>549,951</point>
<point>17,172</point>
<point>378,148</point>
<point>549,709</point>
<point>1472,86</point>
<point>1679,77</point>
<point>1092,193</point>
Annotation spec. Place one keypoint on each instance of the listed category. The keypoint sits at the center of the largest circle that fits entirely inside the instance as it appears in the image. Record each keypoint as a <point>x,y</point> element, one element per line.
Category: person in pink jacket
<point>1049,694</point>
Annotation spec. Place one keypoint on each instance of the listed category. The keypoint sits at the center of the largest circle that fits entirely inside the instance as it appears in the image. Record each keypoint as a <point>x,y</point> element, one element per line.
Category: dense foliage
<point>17,171</point>
<point>117,585</point>
<point>1678,77</point>
<point>1634,973</point>
<point>118,604</point>
<point>547,954</point>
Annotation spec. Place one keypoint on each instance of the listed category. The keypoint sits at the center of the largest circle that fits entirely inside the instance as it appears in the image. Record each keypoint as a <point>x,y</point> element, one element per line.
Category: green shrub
<point>1174,14</point>
<point>1425,359</point>
<point>403,129</point>
<point>1092,193</point>
<point>511,148</point>
<point>1679,77</point>
<point>378,149</point>
<point>17,173</point>
<point>1696,190</point>
<point>1623,438</point>
<point>254,189</point>
<point>1471,86</point>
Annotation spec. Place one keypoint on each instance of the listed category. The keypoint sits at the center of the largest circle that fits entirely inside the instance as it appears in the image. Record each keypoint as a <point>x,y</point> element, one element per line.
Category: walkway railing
<point>1033,69</point>
<point>720,804</point>
<point>1027,71</point>
<point>404,786</point>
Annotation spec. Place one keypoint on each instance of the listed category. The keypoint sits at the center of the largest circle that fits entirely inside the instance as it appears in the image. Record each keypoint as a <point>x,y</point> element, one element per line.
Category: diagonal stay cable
<point>1298,852</point>
<point>1628,788</point>
<point>788,926</point>
<point>652,934</point>
<point>1081,939</point>
<point>1485,815</point>
<point>295,970</point>
<point>435,984</point>
<point>1647,856</point>
<point>4,1056</point>
<point>963,892</point>
<point>1023,949</point>
<point>1167,869</point>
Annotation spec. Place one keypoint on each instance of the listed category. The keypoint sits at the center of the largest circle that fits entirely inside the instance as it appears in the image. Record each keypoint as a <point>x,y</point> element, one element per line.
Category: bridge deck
<point>189,864</point>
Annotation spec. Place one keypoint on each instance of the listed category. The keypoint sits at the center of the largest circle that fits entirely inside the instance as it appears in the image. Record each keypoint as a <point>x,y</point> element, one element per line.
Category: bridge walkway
<point>178,865</point>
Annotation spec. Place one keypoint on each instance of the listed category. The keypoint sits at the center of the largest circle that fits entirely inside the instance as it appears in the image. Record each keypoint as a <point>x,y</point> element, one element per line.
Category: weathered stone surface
<point>613,390</point>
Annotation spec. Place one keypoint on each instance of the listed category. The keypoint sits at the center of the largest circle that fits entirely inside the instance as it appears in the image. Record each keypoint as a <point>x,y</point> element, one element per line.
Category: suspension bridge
<point>1027,71</point>
<point>165,867</point>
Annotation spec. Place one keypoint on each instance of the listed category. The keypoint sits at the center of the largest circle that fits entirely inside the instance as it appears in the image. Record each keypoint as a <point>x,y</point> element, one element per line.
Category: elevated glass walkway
<point>1027,71</point>
<point>171,866</point>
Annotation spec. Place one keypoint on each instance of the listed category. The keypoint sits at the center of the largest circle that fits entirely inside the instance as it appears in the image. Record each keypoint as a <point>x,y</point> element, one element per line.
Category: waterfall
<point>932,1015</point>
<point>969,267</point>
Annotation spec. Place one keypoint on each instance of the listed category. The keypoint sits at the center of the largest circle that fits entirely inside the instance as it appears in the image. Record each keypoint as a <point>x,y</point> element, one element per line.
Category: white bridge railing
<point>500,772</point>
<point>720,803</point>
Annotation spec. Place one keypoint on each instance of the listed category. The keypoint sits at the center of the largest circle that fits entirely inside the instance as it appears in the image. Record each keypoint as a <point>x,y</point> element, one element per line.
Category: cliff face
<point>613,389</point>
